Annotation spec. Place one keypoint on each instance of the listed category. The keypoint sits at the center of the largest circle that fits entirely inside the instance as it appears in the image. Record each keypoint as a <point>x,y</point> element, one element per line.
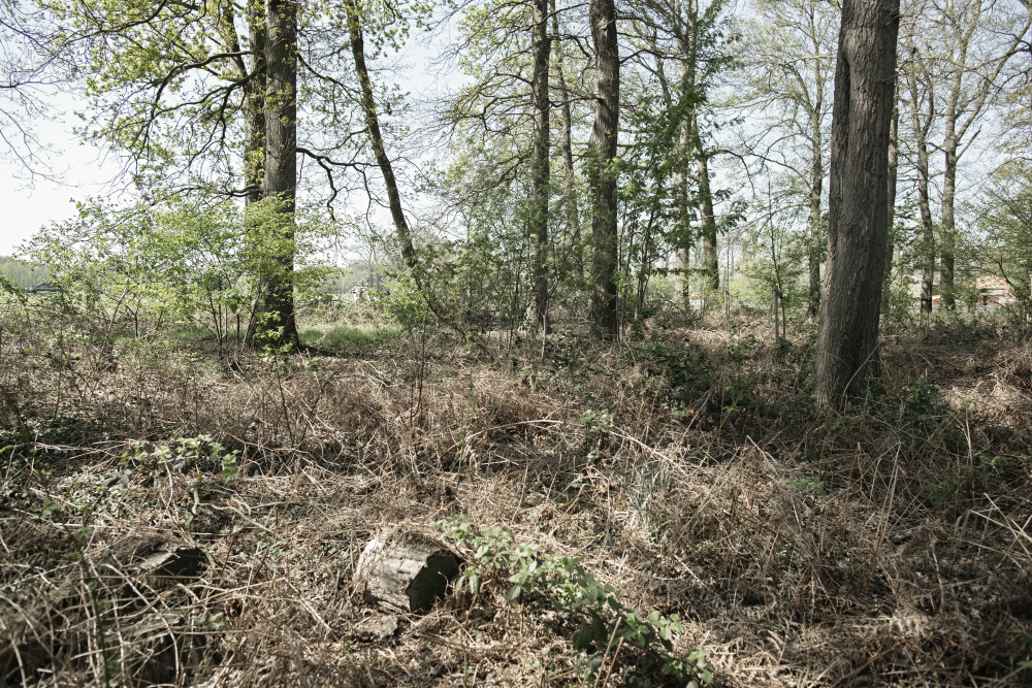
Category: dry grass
<point>888,546</point>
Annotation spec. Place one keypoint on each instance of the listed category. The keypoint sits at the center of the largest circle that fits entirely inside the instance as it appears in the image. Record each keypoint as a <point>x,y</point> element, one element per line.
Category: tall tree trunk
<point>254,103</point>
<point>604,311</point>
<point>947,252</point>
<point>277,325</point>
<point>813,250</point>
<point>571,204</point>
<point>401,228</point>
<point>710,261</point>
<point>891,191</point>
<point>865,75</point>
<point>541,169</point>
<point>926,243</point>
<point>685,203</point>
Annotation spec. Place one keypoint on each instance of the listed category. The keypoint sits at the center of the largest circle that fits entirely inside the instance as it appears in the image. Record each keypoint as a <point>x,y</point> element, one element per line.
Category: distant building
<point>992,292</point>
<point>45,288</point>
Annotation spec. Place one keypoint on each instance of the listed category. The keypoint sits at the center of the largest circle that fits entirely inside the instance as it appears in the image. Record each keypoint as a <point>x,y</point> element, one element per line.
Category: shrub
<point>611,635</point>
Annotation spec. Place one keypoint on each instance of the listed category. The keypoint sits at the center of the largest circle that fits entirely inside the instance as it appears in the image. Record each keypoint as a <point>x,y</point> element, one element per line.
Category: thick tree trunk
<point>604,313</point>
<point>277,326</point>
<point>572,206</point>
<point>847,355</point>
<point>254,103</point>
<point>893,178</point>
<point>541,170</point>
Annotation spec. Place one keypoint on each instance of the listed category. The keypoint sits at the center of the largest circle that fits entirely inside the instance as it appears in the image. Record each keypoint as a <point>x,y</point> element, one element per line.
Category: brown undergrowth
<point>688,470</point>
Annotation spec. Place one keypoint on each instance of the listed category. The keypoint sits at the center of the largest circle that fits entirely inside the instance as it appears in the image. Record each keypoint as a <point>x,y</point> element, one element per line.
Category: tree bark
<point>710,262</point>
<point>277,325</point>
<point>254,103</point>
<point>847,355</point>
<point>813,251</point>
<point>604,313</point>
<point>926,246</point>
<point>891,203</point>
<point>572,206</point>
<point>947,251</point>
<point>401,229</point>
<point>541,168</point>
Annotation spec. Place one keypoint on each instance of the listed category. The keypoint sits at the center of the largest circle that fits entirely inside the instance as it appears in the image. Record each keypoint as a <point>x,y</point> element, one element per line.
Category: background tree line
<point>605,161</point>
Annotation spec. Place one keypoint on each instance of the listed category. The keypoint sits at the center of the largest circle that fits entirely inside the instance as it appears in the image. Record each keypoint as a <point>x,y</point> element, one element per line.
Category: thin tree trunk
<point>813,251</point>
<point>604,312</point>
<point>847,354</point>
<point>401,229</point>
<point>947,252</point>
<point>541,169</point>
<point>685,202</point>
<point>255,78</point>
<point>926,246</point>
<point>710,262</point>
<point>572,206</point>
<point>893,178</point>
<point>277,325</point>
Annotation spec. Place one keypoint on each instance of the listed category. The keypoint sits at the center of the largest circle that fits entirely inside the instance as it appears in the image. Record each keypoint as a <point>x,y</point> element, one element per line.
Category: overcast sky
<point>76,171</point>
<point>80,170</point>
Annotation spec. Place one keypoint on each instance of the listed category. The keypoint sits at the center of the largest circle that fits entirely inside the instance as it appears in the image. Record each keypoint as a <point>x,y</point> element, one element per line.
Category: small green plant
<point>593,420</point>
<point>605,630</point>
<point>201,453</point>
<point>809,485</point>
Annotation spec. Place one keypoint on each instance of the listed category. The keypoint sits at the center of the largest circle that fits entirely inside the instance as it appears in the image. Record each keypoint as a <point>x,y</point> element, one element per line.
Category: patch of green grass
<point>346,338</point>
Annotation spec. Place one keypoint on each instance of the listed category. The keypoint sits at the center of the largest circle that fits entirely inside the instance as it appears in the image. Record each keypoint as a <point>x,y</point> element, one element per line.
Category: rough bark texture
<point>541,169</point>
<point>947,251</point>
<point>254,103</point>
<point>604,313</point>
<point>571,204</point>
<point>847,355</point>
<point>277,325</point>
<point>405,571</point>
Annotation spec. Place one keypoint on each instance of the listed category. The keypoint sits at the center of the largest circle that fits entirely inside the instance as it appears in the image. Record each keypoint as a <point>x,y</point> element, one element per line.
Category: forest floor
<point>686,469</point>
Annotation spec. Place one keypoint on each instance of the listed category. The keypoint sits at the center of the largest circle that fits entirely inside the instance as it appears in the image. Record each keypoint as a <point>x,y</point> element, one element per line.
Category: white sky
<point>76,171</point>
<point>80,170</point>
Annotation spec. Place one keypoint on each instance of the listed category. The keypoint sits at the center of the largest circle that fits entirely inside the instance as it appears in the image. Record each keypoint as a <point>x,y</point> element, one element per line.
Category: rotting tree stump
<point>405,571</point>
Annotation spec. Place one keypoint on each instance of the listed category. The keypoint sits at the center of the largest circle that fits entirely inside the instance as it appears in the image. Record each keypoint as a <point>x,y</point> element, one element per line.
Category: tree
<point>920,104</point>
<point>691,41</point>
<point>957,65</point>
<point>789,70</point>
<point>865,77</point>
<point>1005,222</point>
<point>972,82</point>
<point>279,185</point>
<point>541,164</point>
<point>506,112</point>
<point>602,171</point>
